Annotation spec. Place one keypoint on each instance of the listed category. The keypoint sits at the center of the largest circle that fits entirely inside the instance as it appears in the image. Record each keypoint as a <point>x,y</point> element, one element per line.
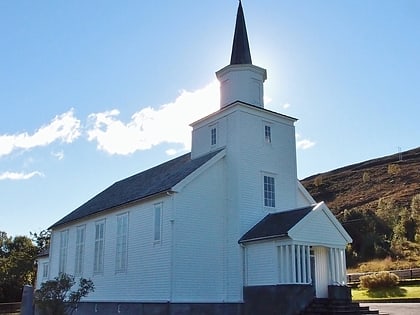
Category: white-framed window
<point>267,133</point>
<point>269,191</point>
<point>121,254</point>
<point>98,261</point>
<point>157,231</point>
<point>64,242</point>
<point>80,249</point>
<point>45,267</point>
<point>213,135</point>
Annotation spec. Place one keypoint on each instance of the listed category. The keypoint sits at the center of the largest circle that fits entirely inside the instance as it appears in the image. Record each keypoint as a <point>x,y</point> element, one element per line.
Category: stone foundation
<point>284,299</point>
<point>342,293</point>
<point>111,308</point>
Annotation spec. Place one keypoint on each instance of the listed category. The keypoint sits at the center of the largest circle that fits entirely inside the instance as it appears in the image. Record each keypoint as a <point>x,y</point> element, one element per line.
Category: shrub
<point>393,169</point>
<point>318,181</point>
<point>366,177</point>
<point>379,280</point>
<point>56,298</point>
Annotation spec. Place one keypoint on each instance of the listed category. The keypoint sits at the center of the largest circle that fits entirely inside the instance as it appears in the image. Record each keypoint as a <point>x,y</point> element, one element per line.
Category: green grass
<point>401,292</point>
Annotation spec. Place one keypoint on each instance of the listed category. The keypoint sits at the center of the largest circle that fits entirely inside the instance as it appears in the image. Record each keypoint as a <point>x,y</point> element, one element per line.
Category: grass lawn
<point>401,292</point>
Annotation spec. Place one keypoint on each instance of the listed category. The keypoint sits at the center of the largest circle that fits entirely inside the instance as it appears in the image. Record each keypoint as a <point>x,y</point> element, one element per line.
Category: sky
<point>94,91</point>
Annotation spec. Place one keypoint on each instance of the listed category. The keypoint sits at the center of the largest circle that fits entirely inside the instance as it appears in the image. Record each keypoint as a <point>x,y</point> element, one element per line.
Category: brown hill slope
<point>361,185</point>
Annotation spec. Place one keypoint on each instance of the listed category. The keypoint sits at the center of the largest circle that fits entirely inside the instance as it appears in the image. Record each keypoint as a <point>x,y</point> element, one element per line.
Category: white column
<point>334,265</point>
<point>299,263</point>
<point>308,264</point>
<point>304,274</point>
<point>281,264</point>
<point>343,276</point>
<point>293,265</point>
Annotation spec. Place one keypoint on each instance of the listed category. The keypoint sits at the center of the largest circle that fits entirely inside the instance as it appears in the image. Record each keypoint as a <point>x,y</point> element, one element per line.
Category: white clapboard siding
<point>148,270</point>
<point>261,264</point>
<point>320,227</point>
<point>199,238</point>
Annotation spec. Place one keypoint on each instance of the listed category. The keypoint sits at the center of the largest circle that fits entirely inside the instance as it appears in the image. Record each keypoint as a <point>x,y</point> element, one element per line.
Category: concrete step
<point>337,307</point>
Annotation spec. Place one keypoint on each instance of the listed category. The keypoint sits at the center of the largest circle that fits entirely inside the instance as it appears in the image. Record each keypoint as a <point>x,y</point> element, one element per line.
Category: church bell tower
<point>241,80</point>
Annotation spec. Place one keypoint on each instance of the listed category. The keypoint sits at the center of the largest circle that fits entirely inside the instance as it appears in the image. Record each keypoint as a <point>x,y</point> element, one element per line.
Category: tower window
<point>267,133</point>
<point>269,192</point>
<point>213,136</point>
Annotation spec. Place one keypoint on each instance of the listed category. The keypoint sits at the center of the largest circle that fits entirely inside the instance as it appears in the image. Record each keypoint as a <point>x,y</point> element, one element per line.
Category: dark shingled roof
<point>156,180</point>
<point>275,224</point>
<point>241,53</point>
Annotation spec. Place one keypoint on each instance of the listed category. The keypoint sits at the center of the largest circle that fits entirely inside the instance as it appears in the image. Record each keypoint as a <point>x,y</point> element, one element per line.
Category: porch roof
<point>276,225</point>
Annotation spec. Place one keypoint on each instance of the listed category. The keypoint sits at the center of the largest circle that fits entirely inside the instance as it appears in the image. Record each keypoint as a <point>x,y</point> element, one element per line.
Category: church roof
<point>153,181</point>
<point>276,224</point>
<point>241,53</point>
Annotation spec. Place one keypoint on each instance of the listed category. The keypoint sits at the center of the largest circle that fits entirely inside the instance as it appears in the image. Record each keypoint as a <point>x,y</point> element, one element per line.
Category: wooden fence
<point>9,308</point>
<point>406,274</point>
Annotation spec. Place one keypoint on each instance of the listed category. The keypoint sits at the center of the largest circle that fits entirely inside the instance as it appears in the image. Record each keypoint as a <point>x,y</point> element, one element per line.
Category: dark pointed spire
<point>240,48</point>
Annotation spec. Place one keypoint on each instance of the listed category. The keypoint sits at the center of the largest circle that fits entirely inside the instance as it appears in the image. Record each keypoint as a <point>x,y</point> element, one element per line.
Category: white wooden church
<point>225,229</point>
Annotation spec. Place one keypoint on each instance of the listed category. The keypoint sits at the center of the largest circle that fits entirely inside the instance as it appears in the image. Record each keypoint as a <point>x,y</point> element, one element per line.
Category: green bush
<point>55,297</point>
<point>377,280</point>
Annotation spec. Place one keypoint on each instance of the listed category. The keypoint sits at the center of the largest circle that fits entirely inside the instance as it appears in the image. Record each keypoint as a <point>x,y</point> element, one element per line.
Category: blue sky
<point>94,91</point>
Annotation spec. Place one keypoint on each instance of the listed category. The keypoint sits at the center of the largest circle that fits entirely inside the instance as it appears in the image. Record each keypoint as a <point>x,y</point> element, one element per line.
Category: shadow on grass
<point>387,292</point>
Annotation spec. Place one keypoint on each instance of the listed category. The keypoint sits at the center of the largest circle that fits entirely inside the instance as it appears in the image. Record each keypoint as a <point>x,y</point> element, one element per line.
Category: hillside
<point>362,184</point>
<point>353,193</point>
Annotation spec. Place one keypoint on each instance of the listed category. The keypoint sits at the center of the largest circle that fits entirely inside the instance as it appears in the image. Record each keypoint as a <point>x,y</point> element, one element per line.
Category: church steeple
<point>240,48</point>
<point>241,80</point>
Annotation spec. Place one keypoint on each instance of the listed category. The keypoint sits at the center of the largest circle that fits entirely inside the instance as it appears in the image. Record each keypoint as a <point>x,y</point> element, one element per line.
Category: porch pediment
<point>314,224</point>
<point>320,227</point>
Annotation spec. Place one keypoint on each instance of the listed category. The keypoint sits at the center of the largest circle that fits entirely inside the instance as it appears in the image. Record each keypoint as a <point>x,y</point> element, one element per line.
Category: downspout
<point>172,249</point>
<point>244,266</point>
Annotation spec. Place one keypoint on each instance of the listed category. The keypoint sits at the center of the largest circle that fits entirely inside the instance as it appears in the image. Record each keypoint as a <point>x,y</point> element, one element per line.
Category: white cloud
<point>64,127</point>
<point>19,176</point>
<point>59,155</point>
<point>150,127</point>
<point>303,143</point>
<point>277,107</point>
<point>267,100</point>
<point>171,152</point>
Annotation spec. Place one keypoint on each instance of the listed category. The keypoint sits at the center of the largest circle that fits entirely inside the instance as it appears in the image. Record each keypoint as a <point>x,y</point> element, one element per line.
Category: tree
<point>56,298</point>
<point>42,240</point>
<point>387,211</point>
<point>415,214</point>
<point>369,234</point>
<point>17,256</point>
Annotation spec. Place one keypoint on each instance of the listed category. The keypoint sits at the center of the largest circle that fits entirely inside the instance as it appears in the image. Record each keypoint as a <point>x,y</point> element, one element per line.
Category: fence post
<point>26,307</point>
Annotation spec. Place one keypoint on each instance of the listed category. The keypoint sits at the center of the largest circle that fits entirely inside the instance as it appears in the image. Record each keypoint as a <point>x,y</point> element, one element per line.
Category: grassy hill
<point>375,201</point>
